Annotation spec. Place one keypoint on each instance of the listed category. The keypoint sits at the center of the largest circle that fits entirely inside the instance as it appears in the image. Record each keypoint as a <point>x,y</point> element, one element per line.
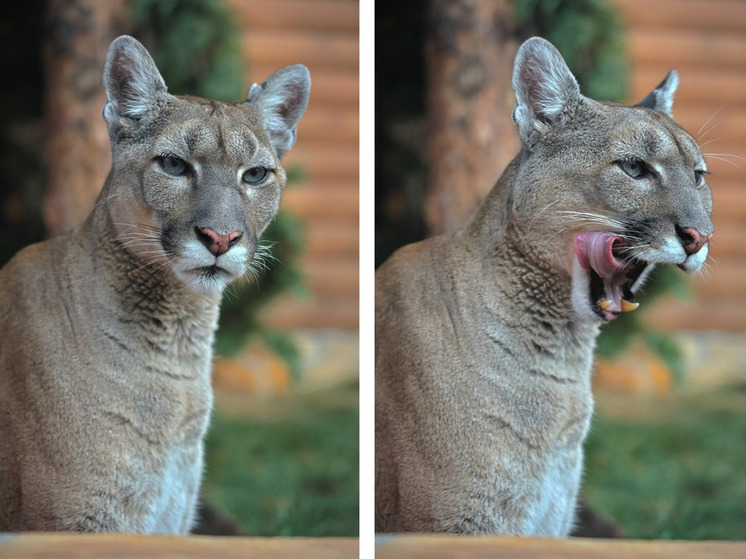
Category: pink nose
<point>691,239</point>
<point>215,242</point>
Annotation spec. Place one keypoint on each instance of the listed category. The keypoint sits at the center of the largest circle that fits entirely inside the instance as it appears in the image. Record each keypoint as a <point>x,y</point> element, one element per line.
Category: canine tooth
<point>606,303</point>
<point>628,306</point>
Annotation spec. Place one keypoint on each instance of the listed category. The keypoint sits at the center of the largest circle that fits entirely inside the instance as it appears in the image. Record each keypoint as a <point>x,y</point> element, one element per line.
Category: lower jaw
<point>607,315</point>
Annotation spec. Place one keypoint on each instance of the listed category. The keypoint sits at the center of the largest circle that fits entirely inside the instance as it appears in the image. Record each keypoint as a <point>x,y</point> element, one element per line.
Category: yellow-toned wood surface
<point>69,546</point>
<point>448,547</point>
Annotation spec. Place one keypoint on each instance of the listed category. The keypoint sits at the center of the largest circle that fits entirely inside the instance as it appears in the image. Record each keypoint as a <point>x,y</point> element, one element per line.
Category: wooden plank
<point>508,547</point>
<point>290,313</point>
<point>729,201</point>
<point>331,123</point>
<point>713,15</point>
<point>101,546</point>
<point>729,240</point>
<point>703,314</point>
<point>649,44</point>
<point>325,204</point>
<point>709,85</point>
<point>326,15</point>
<point>321,49</point>
<point>339,241</point>
<point>332,276</point>
<point>723,280</point>
<point>320,160</point>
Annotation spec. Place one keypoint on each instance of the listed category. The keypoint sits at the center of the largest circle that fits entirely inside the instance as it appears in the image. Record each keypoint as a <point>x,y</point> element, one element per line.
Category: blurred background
<point>666,457</point>
<point>282,451</point>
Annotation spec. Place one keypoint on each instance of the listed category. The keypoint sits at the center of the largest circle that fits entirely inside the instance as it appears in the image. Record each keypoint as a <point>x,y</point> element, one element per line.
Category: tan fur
<point>106,351</point>
<point>485,337</point>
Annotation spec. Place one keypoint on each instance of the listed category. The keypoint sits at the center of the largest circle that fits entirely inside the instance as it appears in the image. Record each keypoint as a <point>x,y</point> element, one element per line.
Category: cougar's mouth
<point>613,274</point>
<point>211,272</point>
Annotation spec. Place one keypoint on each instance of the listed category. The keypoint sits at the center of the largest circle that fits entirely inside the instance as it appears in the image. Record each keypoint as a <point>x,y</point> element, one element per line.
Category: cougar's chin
<point>605,276</point>
<point>206,274</point>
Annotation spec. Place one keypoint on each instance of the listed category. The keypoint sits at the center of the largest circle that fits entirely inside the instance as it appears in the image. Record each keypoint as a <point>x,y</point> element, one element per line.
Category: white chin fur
<point>195,260</point>
<point>694,263</point>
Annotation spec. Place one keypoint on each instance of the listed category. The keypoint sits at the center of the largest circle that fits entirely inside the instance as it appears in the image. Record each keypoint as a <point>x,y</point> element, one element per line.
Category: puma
<point>107,331</point>
<point>485,337</point>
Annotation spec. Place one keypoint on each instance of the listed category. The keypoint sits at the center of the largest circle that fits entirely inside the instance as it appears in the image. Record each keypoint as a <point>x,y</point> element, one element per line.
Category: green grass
<point>292,473</point>
<point>678,472</point>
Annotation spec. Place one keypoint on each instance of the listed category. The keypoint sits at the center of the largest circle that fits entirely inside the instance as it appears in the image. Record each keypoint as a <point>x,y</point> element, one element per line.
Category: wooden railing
<point>120,546</point>
<point>448,547</point>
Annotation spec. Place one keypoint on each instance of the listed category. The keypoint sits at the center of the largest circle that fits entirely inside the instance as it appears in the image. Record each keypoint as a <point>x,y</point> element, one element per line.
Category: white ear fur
<point>282,100</point>
<point>661,98</point>
<point>132,81</point>
<point>546,91</point>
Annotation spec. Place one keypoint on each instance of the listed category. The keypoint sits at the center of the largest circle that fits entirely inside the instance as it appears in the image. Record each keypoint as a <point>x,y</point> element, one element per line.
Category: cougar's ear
<point>661,98</point>
<point>134,87</point>
<point>546,92</point>
<point>282,99</point>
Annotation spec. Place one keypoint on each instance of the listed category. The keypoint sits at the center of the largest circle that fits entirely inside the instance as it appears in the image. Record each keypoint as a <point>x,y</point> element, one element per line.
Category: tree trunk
<point>78,153</point>
<point>470,51</point>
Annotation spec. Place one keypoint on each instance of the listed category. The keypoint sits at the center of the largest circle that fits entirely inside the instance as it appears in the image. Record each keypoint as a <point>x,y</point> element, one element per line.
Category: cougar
<point>107,331</point>
<point>485,337</point>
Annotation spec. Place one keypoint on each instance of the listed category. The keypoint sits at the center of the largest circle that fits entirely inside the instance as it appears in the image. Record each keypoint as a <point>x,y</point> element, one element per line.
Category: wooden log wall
<point>323,35</point>
<point>706,42</point>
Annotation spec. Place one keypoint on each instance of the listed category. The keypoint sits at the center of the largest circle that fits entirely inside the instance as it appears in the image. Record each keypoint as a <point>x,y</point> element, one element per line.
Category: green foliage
<point>196,46</point>
<point>676,474</point>
<point>293,475</point>
<point>590,37</point>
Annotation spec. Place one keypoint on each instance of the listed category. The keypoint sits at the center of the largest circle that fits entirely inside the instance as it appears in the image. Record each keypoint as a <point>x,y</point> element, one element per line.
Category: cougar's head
<point>605,191</point>
<point>194,182</point>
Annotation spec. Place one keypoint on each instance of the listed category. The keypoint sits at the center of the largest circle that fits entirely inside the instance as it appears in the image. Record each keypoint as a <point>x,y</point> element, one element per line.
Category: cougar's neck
<point>520,284</point>
<point>145,292</point>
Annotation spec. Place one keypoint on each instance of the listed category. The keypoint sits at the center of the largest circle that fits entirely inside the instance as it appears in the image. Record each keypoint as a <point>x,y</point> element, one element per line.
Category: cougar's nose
<point>691,239</point>
<point>215,242</point>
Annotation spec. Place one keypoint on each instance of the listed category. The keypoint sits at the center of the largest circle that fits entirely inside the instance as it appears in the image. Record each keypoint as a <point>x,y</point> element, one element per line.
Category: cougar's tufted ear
<point>282,99</point>
<point>661,98</point>
<point>546,91</point>
<point>134,87</point>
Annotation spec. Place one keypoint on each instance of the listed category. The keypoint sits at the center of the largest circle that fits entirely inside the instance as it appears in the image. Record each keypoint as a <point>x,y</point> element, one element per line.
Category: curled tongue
<point>594,250</point>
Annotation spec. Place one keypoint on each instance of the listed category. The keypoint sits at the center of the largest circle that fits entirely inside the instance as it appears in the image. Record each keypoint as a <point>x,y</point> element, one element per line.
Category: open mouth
<point>612,273</point>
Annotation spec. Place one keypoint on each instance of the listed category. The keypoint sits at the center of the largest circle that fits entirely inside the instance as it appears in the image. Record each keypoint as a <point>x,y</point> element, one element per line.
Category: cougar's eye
<point>255,175</point>
<point>174,165</point>
<point>633,167</point>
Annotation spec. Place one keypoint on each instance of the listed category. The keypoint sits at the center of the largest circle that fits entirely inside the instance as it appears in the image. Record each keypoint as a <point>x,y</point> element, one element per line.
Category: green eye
<point>255,175</point>
<point>633,167</point>
<point>174,165</point>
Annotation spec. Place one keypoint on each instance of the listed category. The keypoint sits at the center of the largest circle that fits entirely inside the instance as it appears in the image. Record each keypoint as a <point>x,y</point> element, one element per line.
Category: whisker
<point>706,123</point>
<point>724,160</point>
<point>710,142</point>
<point>538,214</point>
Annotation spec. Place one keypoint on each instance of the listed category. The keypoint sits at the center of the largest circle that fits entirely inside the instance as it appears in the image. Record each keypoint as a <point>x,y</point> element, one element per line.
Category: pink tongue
<point>594,252</point>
